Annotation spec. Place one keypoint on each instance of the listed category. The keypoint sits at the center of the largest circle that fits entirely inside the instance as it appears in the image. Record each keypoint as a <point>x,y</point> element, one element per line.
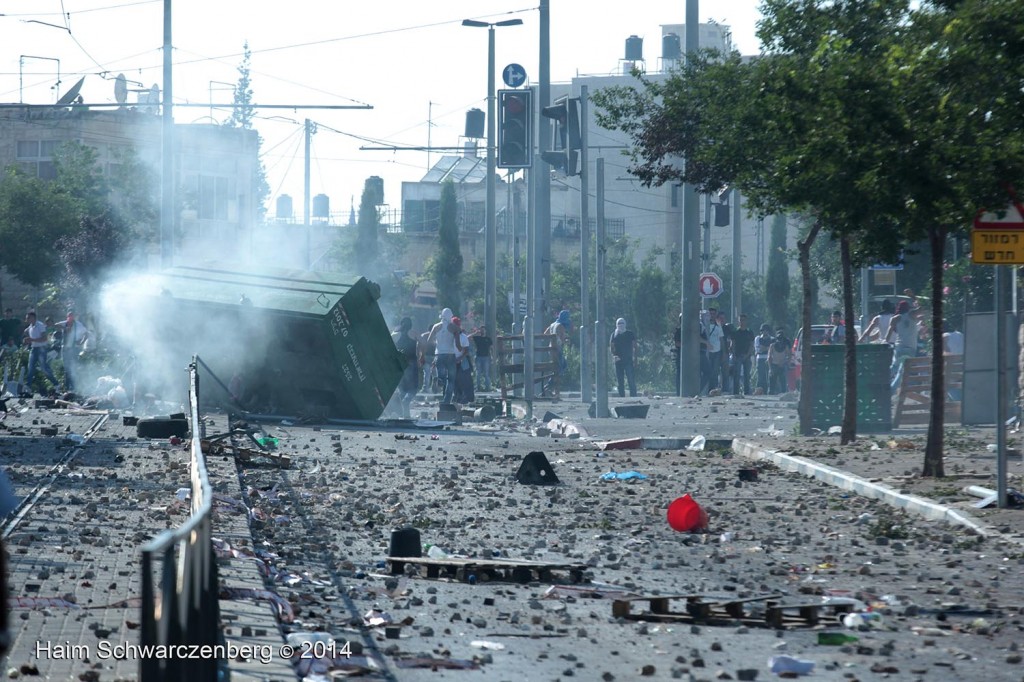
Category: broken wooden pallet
<point>717,611</point>
<point>245,454</point>
<point>487,570</point>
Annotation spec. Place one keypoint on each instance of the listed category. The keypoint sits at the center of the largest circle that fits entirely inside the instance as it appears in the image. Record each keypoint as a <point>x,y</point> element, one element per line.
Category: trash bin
<point>300,343</point>
<point>874,396</point>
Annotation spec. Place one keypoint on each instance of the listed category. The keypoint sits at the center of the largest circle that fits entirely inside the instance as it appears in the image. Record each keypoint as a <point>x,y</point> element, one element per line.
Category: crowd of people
<point>734,358</point>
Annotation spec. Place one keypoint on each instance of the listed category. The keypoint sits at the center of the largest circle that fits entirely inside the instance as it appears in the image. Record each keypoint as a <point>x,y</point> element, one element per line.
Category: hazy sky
<point>412,61</point>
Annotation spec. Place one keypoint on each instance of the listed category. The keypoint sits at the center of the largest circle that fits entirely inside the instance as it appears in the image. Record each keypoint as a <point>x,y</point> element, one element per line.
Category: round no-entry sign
<point>710,285</point>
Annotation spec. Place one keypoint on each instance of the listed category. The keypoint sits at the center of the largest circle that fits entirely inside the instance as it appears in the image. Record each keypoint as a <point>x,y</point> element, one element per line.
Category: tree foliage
<point>885,124</point>
<point>776,288</point>
<point>447,265</point>
<point>366,250</point>
<point>242,116</point>
<point>43,222</point>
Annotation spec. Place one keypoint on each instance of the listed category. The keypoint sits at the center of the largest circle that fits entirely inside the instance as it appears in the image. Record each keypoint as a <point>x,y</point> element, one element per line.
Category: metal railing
<point>181,610</point>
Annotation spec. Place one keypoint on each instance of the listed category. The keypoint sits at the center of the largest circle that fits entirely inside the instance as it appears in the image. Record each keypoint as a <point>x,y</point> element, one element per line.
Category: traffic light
<point>515,132</point>
<point>566,140</point>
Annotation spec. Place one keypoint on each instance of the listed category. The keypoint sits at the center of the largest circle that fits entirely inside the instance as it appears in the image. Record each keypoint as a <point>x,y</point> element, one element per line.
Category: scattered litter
<point>591,590</point>
<point>697,443</point>
<point>284,609</point>
<point>685,515</point>
<point>623,476</point>
<point>484,644</point>
<point>875,446</point>
<point>844,601</point>
<point>903,444</point>
<point>772,431</point>
<point>287,422</point>
<point>726,537</point>
<point>183,493</point>
<point>835,430</point>
<point>436,663</point>
<point>788,664</point>
<point>855,621</point>
<point>375,618</point>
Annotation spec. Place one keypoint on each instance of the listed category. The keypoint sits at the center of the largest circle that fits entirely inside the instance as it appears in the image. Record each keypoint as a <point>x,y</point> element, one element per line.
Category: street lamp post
<point>490,226</point>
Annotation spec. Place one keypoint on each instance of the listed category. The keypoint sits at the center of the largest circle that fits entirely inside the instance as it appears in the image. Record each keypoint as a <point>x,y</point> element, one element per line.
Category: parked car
<point>818,334</point>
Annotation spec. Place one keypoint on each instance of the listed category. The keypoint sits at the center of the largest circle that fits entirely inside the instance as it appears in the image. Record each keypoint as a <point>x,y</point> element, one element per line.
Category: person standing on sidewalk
<point>407,344</point>
<point>483,344</point>
<point>762,342</point>
<point>442,335</point>
<point>742,350</point>
<point>73,337</point>
<point>623,347</point>
<point>716,342</point>
<point>37,338</point>
<point>905,327</point>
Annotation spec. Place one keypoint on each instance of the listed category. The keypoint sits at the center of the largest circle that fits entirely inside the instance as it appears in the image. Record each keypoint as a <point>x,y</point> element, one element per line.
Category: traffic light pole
<point>490,226</point>
<point>585,373</point>
<point>542,178</point>
<point>689,358</point>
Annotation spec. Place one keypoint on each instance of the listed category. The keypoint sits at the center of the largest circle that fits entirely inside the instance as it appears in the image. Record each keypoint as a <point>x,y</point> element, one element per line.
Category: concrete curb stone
<point>847,481</point>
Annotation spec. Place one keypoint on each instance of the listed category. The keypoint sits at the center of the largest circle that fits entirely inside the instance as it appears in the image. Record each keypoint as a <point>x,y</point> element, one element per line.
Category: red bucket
<point>685,515</point>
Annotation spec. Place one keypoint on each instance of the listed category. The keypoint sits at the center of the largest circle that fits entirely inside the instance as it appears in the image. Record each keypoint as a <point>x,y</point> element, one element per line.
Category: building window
<point>35,157</point>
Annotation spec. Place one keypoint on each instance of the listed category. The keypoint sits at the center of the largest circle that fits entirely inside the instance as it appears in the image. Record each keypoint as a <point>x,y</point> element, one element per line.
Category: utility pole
<point>490,226</point>
<point>737,259</point>
<point>531,285</point>
<point>600,351</point>
<point>167,199</point>
<point>585,373</point>
<point>542,206</point>
<point>689,351</point>
<point>306,227</point>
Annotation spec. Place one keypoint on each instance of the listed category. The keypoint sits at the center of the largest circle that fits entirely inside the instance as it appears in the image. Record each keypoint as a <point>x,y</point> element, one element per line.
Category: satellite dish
<point>69,96</point>
<point>121,89</point>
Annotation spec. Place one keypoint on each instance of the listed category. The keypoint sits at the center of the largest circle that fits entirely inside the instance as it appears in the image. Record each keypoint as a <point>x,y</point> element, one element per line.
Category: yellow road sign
<point>997,247</point>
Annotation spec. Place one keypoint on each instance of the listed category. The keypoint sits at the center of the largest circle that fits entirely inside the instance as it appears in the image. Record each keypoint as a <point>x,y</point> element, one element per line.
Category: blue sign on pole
<point>514,75</point>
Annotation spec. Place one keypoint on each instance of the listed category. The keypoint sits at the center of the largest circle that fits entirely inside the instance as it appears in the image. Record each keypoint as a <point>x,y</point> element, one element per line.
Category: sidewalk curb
<point>847,481</point>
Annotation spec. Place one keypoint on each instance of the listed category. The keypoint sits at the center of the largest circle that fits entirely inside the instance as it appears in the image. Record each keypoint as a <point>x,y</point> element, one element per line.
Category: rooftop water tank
<point>475,119</point>
<point>284,207</point>
<point>634,48</point>
<point>321,206</point>
<point>670,46</point>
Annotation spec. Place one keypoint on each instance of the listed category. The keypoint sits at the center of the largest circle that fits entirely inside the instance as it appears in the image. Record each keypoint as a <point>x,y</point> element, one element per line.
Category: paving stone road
<point>950,598</point>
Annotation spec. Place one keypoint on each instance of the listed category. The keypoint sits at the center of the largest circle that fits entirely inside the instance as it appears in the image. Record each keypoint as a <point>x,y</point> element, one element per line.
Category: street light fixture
<point>490,226</point>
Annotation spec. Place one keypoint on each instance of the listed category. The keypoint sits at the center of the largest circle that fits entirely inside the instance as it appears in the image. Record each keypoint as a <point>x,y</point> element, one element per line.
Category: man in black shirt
<point>742,349</point>
<point>623,345</point>
<point>483,358</point>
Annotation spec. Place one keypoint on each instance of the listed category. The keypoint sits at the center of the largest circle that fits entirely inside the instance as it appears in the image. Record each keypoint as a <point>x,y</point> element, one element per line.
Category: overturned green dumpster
<point>276,342</point>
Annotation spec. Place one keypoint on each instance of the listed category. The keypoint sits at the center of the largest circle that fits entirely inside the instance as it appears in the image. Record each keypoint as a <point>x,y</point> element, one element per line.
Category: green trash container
<point>874,397</point>
<point>301,343</point>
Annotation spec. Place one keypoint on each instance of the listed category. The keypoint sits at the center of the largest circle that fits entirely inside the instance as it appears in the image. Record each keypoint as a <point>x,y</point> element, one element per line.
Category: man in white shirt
<point>443,335</point>
<point>716,335</point>
<point>37,337</point>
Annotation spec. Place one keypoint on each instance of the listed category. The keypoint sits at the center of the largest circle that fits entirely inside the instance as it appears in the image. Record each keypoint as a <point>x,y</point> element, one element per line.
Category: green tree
<point>776,287</point>
<point>242,116</point>
<point>447,265</point>
<point>34,214</point>
<point>366,249</point>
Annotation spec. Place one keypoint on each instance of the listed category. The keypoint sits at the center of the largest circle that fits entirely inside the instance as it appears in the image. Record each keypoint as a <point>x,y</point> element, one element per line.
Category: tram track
<point>18,515</point>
